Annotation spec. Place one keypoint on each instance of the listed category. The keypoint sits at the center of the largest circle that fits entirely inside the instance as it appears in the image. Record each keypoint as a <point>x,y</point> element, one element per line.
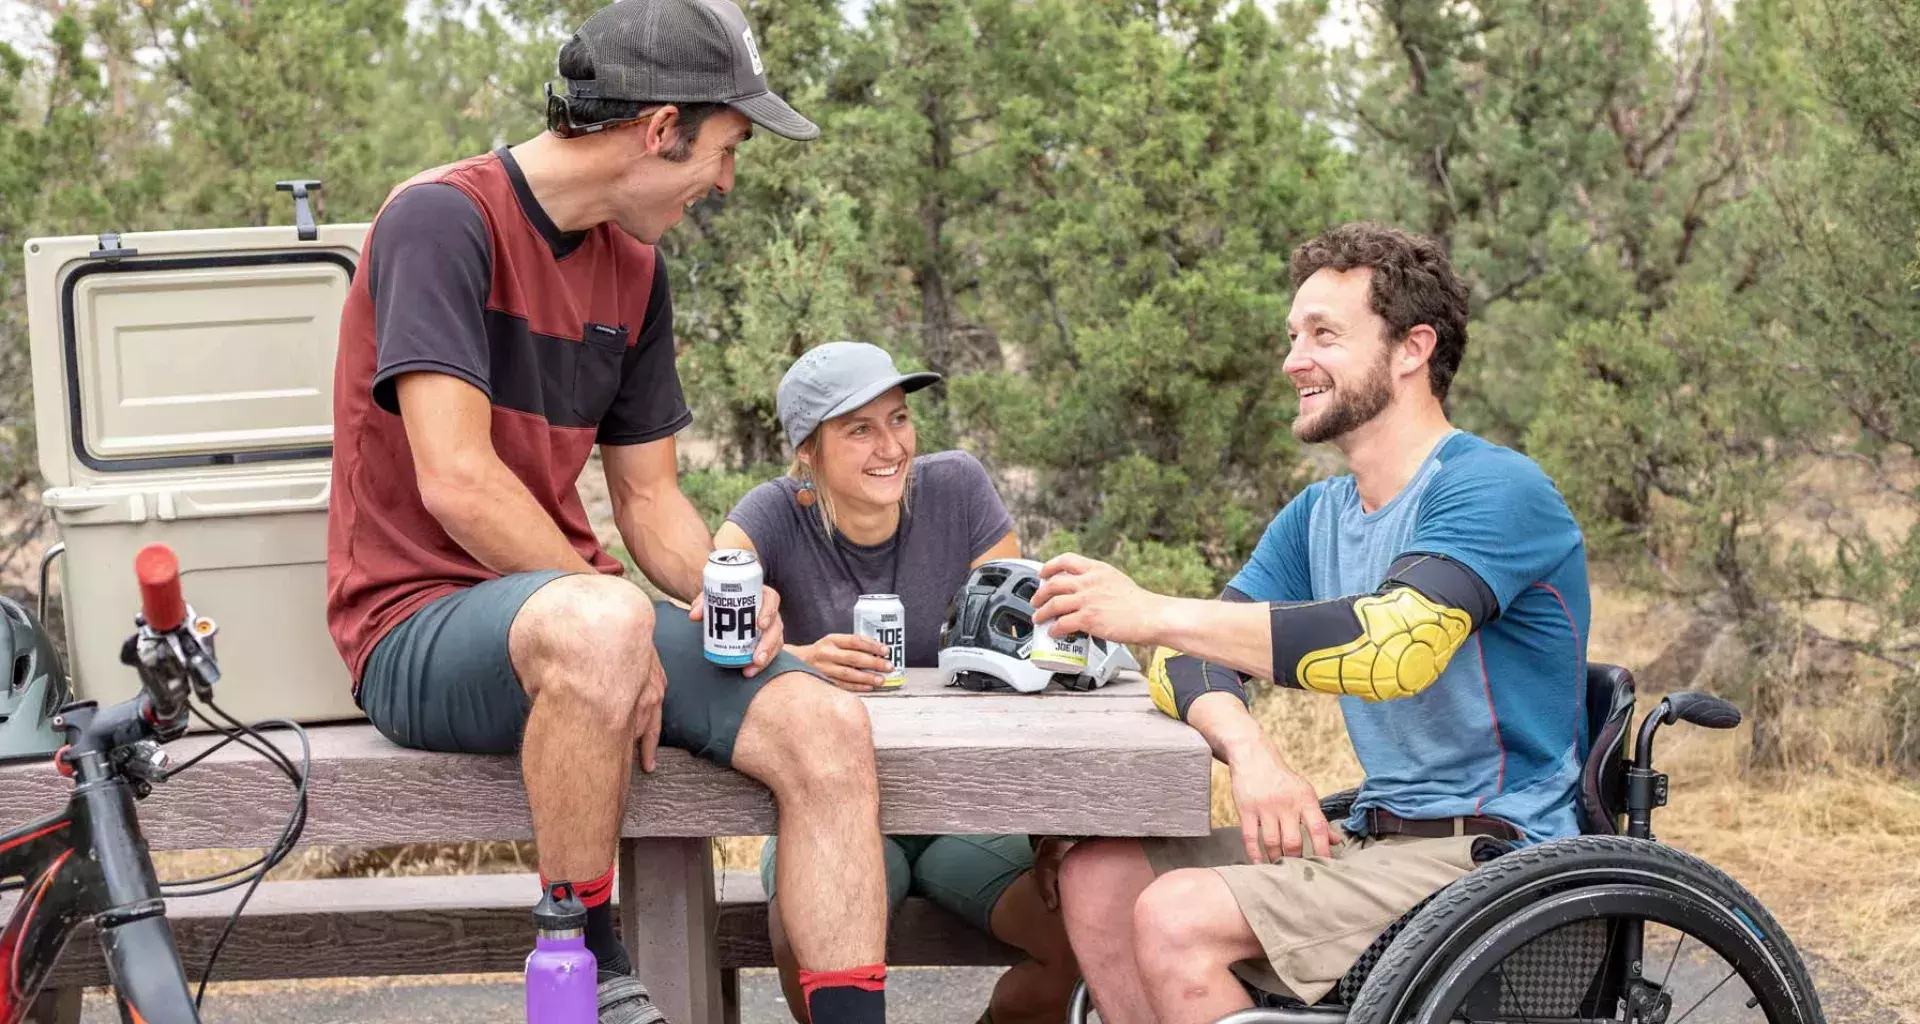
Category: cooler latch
<point>303,222</point>
<point>110,248</point>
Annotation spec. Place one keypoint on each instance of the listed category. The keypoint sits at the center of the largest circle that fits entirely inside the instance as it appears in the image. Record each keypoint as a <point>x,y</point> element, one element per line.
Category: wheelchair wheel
<point>1593,928</point>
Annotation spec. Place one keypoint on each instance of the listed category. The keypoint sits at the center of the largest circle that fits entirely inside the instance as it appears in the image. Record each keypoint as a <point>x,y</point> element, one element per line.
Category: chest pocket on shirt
<point>596,371</point>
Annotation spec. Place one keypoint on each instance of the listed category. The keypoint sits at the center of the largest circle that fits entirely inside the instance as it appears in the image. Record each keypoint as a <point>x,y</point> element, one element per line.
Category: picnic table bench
<point>949,761</point>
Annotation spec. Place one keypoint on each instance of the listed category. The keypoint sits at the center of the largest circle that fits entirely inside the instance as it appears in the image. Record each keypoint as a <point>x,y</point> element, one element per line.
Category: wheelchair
<point>1608,926</point>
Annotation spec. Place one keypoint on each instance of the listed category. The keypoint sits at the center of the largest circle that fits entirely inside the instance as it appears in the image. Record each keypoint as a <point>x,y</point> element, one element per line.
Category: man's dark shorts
<point>443,679</point>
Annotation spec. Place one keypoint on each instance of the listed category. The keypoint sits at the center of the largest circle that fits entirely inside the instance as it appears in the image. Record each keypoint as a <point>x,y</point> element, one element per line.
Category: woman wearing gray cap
<point>860,512</point>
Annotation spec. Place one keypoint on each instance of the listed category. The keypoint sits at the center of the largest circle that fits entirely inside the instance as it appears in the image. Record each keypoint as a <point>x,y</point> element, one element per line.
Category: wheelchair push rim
<point>1623,887</point>
<point>1689,913</point>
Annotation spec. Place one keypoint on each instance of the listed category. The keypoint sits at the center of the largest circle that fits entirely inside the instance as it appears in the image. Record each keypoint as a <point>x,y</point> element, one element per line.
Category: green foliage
<point>1694,253</point>
<point>1710,378</point>
<point>1575,165</point>
<point>1680,430</point>
<point>1848,217</point>
<point>1142,269</point>
<point>1179,570</point>
<point>271,90</point>
<point>715,491</point>
<point>795,290</point>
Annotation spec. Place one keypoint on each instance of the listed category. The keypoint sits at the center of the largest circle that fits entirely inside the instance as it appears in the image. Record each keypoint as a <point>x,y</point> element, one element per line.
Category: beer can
<point>1058,654</point>
<point>732,582</point>
<point>884,618</point>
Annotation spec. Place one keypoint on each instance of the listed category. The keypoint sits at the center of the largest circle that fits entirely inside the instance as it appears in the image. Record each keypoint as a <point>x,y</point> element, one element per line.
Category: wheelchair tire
<point>1473,925</point>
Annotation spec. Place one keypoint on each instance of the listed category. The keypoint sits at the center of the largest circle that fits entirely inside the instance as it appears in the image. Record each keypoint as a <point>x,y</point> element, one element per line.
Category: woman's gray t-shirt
<point>956,516</point>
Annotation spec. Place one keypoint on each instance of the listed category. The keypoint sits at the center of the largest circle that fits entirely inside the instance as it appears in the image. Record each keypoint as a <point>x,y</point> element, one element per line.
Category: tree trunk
<point>1419,38</point>
<point>936,299</point>
<point>1768,646</point>
<point>1770,695</point>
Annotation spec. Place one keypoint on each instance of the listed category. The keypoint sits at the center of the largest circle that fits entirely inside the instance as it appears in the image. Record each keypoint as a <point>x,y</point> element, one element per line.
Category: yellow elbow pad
<point>1176,680</point>
<point>1406,640</point>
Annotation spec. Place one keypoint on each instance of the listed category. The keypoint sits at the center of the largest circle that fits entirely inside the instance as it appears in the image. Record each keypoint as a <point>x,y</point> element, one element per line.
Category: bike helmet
<point>32,686</point>
<point>988,634</point>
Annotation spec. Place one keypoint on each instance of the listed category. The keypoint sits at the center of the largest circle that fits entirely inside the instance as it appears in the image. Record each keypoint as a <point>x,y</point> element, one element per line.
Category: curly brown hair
<point>1413,283</point>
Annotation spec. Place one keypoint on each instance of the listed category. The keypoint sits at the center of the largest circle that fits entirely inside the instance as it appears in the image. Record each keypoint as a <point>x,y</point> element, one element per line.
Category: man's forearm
<point>1236,634</point>
<point>1228,727</point>
<point>496,519</point>
<point>667,538</point>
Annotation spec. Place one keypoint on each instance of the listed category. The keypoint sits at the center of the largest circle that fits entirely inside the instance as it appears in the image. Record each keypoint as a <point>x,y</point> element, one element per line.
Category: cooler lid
<point>185,351</point>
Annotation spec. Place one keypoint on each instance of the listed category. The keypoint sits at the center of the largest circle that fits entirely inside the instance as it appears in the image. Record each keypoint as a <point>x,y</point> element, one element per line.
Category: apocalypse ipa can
<point>884,618</point>
<point>733,606</point>
<point>1058,654</point>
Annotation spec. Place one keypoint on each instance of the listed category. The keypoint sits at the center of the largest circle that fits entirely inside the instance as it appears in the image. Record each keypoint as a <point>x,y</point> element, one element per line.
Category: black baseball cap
<point>683,51</point>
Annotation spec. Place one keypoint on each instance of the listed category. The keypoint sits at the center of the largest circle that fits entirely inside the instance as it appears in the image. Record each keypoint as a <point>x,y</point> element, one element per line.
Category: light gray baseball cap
<point>835,379</point>
<point>683,51</point>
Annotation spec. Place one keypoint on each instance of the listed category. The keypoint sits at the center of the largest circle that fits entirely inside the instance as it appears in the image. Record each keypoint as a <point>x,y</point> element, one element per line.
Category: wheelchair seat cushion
<point>1316,916</point>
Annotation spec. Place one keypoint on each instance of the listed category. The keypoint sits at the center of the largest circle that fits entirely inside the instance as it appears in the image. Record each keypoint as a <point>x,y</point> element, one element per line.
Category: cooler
<point>183,389</point>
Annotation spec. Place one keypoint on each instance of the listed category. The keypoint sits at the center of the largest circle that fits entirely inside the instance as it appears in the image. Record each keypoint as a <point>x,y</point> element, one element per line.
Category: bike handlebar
<point>160,598</point>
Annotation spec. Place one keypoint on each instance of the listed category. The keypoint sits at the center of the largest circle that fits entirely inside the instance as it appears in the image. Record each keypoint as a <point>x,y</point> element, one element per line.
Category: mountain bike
<point>89,860</point>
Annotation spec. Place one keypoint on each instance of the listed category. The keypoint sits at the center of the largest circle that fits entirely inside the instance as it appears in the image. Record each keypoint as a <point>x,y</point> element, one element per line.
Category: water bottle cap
<point>559,909</point>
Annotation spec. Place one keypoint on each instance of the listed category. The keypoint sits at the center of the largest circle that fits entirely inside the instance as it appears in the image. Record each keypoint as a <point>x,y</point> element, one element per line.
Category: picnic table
<point>1102,763</point>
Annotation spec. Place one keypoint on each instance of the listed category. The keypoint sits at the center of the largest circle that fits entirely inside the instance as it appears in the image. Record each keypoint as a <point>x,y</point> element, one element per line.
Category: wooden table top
<point>949,760</point>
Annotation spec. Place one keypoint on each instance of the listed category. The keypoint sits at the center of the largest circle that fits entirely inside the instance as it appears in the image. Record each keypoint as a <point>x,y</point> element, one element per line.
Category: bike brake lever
<point>201,660</point>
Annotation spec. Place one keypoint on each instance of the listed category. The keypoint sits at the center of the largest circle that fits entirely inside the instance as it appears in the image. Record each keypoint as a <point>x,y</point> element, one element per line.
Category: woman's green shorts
<point>964,874</point>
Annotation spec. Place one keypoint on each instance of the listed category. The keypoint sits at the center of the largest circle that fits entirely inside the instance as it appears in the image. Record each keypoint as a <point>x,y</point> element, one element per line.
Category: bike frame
<point>90,861</point>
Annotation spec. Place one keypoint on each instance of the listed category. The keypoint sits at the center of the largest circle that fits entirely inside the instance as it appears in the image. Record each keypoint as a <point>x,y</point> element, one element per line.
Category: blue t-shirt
<point>1499,733</point>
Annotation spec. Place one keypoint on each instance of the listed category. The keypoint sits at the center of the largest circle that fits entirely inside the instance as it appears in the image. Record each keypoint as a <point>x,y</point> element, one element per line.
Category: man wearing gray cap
<point>510,313</point>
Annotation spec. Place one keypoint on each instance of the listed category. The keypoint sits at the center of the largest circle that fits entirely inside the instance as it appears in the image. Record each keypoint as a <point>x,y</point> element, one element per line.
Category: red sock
<point>602,938</point>
<point>856,995</point>
<point>594,893</point>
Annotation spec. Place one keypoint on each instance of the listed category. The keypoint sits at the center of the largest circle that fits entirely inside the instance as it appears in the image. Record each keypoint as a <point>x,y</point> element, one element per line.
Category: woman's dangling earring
<point>806,496</point>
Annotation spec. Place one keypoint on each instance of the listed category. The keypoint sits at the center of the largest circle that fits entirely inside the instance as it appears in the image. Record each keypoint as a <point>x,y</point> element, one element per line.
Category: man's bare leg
<point>1100,882</point>
<point>1187,930</point>
<point>581,645</point>
<point>1035,991</point>
<point>785,963</point>
<point>813,746</point>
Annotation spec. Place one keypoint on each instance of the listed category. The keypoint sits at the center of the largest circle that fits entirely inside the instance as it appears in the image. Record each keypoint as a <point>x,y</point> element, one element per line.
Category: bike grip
<point>160,599</point>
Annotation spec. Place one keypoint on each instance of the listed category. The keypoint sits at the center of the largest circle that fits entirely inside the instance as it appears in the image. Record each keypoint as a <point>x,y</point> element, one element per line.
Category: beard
<point>1352,407</point>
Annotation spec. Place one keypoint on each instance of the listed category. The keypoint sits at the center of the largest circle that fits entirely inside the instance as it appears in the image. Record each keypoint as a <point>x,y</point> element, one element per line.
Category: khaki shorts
<point>1314,916</point>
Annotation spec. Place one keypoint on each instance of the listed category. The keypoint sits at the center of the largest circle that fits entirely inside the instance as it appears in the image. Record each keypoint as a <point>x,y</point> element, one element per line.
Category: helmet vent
<point>21,664</point>
<point>1026,588</point>
<point>1014,627</point>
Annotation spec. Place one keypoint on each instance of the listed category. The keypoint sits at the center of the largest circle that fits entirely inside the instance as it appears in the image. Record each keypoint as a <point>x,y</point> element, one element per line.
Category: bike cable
<point>254,872</point>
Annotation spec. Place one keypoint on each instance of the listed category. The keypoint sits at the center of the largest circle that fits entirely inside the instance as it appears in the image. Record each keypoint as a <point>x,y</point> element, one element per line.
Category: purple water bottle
<point>562,975</point>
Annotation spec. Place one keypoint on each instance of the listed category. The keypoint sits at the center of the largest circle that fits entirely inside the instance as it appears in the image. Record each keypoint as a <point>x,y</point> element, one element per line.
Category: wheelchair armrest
<point>1337,806</point>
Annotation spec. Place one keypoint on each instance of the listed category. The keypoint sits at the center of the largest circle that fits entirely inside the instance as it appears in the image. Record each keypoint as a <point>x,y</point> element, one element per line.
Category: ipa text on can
<point>883,617</point>
<point>732,583</point>
<point>1066,654</point>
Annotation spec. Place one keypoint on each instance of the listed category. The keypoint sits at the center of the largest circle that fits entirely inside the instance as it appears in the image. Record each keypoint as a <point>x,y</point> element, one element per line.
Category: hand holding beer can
<point>732,582</point>
<point>883,617</point>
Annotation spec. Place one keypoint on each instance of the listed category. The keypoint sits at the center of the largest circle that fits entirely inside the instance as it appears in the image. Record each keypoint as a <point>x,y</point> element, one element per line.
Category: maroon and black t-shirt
<point>569,334</point>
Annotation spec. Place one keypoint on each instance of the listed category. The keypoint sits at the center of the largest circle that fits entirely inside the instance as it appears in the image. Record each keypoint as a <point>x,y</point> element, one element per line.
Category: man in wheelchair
<point>1440,591</point>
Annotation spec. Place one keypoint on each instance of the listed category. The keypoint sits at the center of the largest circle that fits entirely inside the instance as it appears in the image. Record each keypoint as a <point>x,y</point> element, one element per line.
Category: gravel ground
<point>915,995</point>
